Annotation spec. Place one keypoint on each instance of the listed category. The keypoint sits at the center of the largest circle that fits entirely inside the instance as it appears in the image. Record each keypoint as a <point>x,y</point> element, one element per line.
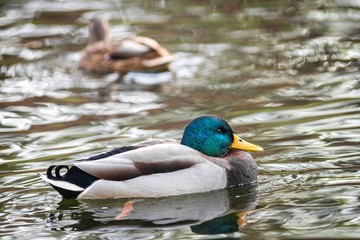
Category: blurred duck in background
<point>132,53</point>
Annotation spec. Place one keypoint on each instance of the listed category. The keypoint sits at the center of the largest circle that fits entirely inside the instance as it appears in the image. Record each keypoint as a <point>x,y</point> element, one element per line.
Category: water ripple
<point>284,75</point>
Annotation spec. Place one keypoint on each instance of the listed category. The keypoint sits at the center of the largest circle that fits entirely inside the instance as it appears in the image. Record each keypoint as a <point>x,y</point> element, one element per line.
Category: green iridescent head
<point>214,137</point>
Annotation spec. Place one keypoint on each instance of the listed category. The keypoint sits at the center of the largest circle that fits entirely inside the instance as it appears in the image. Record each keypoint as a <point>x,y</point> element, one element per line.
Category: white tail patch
<point>62,184</point>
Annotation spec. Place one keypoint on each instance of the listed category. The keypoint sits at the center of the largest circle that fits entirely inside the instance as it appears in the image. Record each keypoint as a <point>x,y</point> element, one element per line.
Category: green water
<point>284,74</point>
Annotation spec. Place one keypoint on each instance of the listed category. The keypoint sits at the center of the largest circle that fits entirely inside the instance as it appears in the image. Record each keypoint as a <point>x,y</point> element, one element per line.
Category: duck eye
<point>220,130</point>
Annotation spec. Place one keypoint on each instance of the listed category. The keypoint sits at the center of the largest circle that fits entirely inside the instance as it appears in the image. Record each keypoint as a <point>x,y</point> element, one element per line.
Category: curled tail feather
<point>70,184</point>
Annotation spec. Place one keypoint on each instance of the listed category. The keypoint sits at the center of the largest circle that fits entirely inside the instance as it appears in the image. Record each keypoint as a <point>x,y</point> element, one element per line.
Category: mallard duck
<point>209,157</point>
<point>132,53</point>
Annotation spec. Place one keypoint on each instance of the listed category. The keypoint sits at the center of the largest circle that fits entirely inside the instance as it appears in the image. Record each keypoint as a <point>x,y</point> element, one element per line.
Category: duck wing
<point>160,158</point>
<point>128,49</point>
<point>121,165</point>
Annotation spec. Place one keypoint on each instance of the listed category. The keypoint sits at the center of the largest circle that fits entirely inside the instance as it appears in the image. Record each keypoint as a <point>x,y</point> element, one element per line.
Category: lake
<point>284,74</point>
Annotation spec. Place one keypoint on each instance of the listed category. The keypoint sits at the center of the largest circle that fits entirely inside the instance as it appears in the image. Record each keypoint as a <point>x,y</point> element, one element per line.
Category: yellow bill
<point>241,144</point>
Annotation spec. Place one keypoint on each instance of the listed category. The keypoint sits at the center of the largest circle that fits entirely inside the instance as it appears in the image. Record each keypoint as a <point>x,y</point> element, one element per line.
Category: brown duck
<point>132,53</point>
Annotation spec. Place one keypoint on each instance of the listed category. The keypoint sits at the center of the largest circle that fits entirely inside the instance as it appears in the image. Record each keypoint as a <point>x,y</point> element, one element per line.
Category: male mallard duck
<point>133,53</point>
<point>209,157</point>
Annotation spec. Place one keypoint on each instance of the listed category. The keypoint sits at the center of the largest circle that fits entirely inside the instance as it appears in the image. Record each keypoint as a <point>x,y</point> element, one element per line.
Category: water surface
<point>285,74</point>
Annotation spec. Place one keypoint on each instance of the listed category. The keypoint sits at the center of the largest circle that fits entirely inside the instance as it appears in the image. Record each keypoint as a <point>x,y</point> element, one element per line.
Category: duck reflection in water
<point>215,212</point>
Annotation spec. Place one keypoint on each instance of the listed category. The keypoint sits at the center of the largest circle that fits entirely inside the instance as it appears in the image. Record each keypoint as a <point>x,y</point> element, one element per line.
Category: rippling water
<point>285,74</point>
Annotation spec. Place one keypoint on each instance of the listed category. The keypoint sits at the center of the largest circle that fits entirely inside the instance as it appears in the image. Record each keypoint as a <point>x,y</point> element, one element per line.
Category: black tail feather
<point>76,176</point>
<point>72,175</point>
